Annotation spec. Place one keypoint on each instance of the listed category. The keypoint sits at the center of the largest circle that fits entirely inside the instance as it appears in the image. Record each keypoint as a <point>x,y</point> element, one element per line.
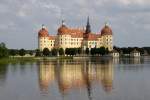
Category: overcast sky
<point>20,20</point>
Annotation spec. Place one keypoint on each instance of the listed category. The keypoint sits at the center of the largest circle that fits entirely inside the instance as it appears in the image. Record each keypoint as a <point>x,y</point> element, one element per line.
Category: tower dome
<point>63,29</point>
<point>106,30</point>
<point>43,32</point>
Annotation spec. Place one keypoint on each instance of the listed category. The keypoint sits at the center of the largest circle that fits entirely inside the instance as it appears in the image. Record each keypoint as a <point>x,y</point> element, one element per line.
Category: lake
<point>80,79</point>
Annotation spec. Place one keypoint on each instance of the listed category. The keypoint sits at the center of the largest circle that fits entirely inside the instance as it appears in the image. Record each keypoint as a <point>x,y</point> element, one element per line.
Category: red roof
<point>75,33</point>
<point>43,32</point>
<point>52,37</point>
<point>106,31</point>
<point>63,30</point>
<point>92,37</point>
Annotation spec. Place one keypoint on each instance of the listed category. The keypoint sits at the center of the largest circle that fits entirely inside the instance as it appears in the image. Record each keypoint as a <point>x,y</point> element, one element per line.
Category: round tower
<point>63,36</point>
<point>43,38</point>
<point>107,37</point>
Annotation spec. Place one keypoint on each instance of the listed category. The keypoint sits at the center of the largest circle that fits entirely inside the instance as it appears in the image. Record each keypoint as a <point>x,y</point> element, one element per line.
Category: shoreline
<point>33,59</point>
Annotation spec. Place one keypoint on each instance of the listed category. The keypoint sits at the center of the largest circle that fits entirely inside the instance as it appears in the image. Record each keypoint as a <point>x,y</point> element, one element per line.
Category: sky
<point>20,20</point>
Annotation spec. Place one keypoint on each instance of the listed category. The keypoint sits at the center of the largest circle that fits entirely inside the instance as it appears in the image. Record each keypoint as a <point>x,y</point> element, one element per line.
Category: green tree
<point>38,53</point>
<point>106,51</point>
<point>13,52</point>
<point>3,50</point>
<point>71,51</point>
<point>46,52</point>
<point>147,49</point>
<point>61,51</point>
<point>54,51</point>
<point>93,51</point>
<point>79,50</point>
<point>102,51</point>
<point>22,52</point>
<point>31,52</point>
<point>87,51</point>
<point>67,52</point>
<point>117,48</point>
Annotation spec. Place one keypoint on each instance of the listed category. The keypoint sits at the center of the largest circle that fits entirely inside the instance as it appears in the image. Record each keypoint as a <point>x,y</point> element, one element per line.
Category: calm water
<point>95,79</point>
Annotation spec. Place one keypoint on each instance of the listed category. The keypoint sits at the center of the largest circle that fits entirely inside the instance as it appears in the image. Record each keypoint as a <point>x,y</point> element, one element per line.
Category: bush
<point>38,53</point>
<point>22,52</point>
<point>71,51</point>
<point>79,50</point>
<point>54,51</point>
<point>61,51</point>
<point>46,52</point>
<point>13,52</point>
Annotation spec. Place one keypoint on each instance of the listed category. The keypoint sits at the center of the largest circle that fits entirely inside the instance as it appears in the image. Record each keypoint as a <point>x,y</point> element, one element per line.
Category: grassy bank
<point>16,60</point>
<point>29,59</point>
<point>65,57</point>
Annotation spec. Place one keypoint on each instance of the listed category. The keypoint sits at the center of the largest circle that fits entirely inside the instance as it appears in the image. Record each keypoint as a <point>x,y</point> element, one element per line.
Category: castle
<point>76,38</point>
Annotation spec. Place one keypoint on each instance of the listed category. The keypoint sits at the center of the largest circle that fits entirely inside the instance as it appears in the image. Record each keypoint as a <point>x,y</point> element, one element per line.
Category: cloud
<point>21,19</point>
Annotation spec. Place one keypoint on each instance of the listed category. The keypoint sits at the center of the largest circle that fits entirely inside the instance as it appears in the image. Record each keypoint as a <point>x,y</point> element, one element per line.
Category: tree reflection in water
<point>3,73</point>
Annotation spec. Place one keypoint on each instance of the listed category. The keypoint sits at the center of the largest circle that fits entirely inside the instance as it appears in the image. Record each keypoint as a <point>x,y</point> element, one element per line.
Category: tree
<point>13,52</point>
<point>46,52</point>
<point>2,45</point>
<point>3,50</point>
<point>93,51</point>
<point>54,51</point>
<point>38,53</point>
<point>87,51</point>
<point>31,53</point>
<point>147,49</point>
<point>67,52</point>
<point>71,51</point>
<point>61,51</point>
<point>22,52</point>
<point>117,48</point>
<point>102,51</point>
<point>79,50</point>
<point>106,51</point>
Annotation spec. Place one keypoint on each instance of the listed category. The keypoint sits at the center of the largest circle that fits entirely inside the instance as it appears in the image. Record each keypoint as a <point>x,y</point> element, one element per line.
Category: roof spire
<point>88,26</point>
<point>88,21</point>
<point>106,23</point>
<point>63,22</point>
<point>43,26</point>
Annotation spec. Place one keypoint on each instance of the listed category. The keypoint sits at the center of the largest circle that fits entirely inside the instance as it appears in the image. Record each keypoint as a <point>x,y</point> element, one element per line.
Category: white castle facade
<point>76,38</point>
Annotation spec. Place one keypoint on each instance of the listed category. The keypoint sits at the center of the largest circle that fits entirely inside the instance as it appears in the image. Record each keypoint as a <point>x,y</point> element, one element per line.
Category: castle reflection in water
<point>76,74</point>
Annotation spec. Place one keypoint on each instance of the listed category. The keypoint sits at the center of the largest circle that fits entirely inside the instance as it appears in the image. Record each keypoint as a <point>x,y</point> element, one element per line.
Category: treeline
<point>20,52</point>
<point>72,51</point>
<point>93,51</point>
<point>127,50</point>
<point>60,51</point>
<point>5,52</point>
